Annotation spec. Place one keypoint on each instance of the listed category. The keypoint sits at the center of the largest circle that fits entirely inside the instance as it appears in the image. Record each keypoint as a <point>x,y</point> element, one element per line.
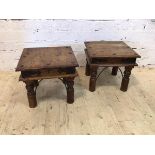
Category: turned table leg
<point>87,70</point>
<point>125,80</point>
<point>114,70</point>
<point>69,82</point>
<point>92,82</point>
<point>31,93</point>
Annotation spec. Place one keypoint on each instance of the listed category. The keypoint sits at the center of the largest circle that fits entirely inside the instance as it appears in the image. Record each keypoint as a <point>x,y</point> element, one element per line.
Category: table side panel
<point>46,74</point>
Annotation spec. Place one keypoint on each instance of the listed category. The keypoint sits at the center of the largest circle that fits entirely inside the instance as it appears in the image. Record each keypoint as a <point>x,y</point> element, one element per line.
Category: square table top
<point>46,58</point>
<point>111,49</point>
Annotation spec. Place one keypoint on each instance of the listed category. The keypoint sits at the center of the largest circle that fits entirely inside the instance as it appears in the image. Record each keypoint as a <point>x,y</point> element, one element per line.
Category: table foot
<point>92,82</point>
<point>69,82</point>
<point>31,92</point>
<point>126,78</point>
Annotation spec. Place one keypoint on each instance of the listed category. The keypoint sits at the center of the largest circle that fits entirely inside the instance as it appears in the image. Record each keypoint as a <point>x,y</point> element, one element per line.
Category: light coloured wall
<point>18,34</point>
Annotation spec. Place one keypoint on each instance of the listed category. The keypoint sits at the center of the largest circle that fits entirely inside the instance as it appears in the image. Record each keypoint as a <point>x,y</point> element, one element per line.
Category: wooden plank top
<point>46,57</point>
<point>102,49</point>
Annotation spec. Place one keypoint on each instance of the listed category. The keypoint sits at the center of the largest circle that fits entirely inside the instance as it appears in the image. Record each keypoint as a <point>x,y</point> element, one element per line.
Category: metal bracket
<point>63,81</point>
<point>121,72</point>
<point>40,80</point>
<point>37,85</point>
<point>105,69</point>
<point>101,72</point>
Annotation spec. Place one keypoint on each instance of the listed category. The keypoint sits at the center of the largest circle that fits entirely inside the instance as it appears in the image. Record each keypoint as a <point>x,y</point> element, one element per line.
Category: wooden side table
<point>109,54</point>
<point>36,64</point>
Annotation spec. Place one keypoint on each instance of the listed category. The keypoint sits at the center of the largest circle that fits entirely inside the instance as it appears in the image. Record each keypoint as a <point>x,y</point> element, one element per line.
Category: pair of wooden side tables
<point>36,64</point>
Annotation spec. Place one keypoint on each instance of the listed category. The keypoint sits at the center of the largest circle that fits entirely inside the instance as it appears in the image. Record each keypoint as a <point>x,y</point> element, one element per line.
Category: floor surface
<point>105,111</point>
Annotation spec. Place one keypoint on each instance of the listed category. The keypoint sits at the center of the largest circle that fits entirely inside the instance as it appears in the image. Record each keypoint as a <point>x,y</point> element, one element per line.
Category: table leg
<point>92,82</point>
<point>126,78</point>
<point>114,71</point>
<point>87,70</point>
<point>31,93</point>
<point>69,82</point>
<point>36,83</point>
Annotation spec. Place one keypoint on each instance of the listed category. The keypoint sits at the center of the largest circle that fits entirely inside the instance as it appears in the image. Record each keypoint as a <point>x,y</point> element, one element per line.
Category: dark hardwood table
<point>113,54</point>
<point>36,64</point>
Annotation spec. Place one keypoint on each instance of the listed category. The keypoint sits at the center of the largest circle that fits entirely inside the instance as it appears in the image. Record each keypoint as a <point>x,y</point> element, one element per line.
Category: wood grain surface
<point>44,58</point>
<point>104,49</point>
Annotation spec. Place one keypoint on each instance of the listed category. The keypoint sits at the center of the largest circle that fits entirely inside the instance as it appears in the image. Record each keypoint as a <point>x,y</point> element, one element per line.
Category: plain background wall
<point>18,34</point>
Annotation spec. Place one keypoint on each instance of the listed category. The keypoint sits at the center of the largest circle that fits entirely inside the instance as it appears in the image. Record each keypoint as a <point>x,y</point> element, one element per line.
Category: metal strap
<point>101,72</point>
<point>121,72</point>
<point>63,82</point>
